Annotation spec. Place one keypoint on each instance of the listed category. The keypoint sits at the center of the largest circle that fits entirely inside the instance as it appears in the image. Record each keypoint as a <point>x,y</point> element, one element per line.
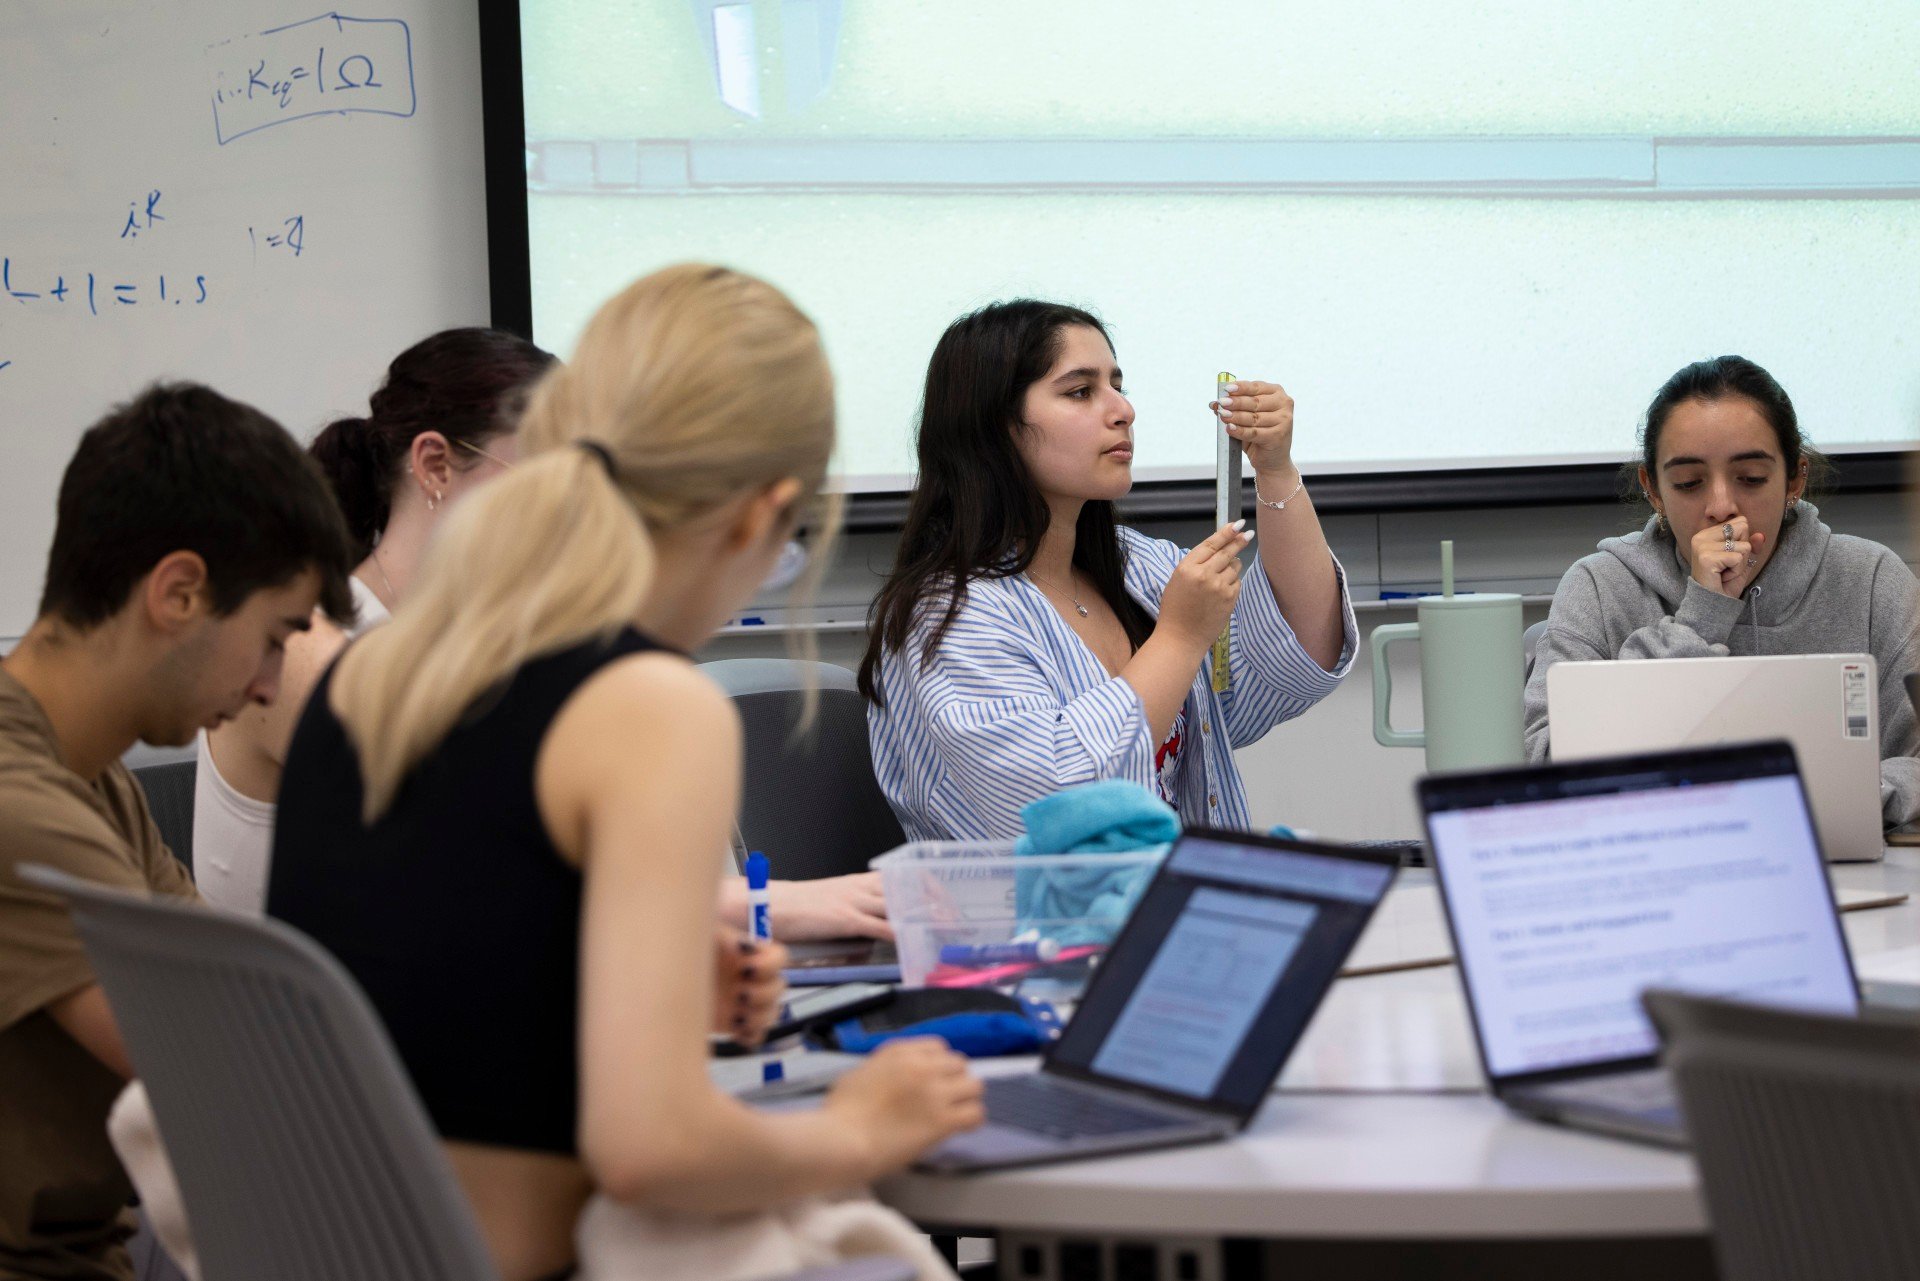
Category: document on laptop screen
<point>1212,975</point>
<point>1565,910</point>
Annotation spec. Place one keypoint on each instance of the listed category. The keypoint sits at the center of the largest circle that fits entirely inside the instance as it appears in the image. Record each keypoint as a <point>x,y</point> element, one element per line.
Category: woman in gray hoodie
<point>1735,562</point>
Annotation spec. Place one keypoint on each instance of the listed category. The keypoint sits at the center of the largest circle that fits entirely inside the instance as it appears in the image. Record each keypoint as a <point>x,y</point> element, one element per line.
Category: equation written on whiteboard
<point>330,65</point>
<point>101,292</point>
<point>98,291</point>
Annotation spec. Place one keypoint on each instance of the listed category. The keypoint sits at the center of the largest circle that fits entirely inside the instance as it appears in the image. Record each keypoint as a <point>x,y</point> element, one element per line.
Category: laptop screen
<point>1571,889</point>
<point>1220,967</point>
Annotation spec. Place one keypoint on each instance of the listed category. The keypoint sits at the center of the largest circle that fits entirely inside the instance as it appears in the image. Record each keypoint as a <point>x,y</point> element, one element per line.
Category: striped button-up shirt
<point>1014,706</point>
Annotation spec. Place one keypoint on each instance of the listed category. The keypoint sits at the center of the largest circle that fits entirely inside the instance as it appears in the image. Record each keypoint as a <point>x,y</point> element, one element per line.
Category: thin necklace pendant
<point>1078,608</point>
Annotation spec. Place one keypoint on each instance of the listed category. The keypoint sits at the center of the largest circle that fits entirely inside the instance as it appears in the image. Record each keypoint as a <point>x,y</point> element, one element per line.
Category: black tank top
<point>453,910</point>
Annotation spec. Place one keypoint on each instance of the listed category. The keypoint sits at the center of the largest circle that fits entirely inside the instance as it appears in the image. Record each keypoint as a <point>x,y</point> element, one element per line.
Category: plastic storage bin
<point>973,894</point>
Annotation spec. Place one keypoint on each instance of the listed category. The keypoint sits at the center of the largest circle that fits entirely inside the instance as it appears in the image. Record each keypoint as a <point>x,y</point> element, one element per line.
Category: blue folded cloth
<point>1072,905</point>
<point>1109,816</point>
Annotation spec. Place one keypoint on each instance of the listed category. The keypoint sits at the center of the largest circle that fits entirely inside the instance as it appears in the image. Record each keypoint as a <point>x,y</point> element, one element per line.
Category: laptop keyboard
<point>1037,1105</point>
<point>1650,1092</point>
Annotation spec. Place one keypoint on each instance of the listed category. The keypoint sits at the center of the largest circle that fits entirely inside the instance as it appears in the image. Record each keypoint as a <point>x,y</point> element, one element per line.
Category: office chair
<point>1806,1129</point>
<point>302,1151</point>
<point>169,789</point>
<point>1529,642</point>
<point>810,802</point>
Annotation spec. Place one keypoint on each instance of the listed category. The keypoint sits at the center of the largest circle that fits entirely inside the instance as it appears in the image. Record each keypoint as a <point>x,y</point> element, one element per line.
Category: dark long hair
<point>976,511</point>
<point>467,384</point>
<point>1717,379</point>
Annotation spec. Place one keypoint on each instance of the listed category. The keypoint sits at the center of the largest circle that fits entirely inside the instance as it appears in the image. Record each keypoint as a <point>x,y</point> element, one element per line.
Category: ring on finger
<point>1729,544</point>
<point>1726,531</point>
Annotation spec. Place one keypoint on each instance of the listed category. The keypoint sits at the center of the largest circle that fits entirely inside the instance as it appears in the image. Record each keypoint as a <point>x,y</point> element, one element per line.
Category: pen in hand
<point>760,928</point>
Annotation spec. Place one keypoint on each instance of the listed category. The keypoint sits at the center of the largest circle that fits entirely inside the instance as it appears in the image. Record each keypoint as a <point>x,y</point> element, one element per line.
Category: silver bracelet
<point>1282,504</point>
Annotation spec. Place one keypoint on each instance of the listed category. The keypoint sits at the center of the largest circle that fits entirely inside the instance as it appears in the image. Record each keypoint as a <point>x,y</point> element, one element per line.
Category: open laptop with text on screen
<point>1570,889</point>
<point>1193,1010</point>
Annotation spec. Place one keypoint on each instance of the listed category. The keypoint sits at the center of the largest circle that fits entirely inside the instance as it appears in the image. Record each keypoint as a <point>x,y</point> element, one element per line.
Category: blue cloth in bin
<point>1110,816</point>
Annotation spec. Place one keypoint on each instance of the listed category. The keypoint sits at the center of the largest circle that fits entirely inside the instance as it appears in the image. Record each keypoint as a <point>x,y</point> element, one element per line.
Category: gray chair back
<point>302,1152</point>
<point>1806,1129</point>
<point>810,801</point>
<point>169,789</point>
<point>1529,642</point>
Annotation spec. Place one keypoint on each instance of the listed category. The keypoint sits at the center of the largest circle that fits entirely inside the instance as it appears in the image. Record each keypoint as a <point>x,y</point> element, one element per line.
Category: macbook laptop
<point>1195,1007</point>
<point>1572,888</point>
<point>1826,705</point>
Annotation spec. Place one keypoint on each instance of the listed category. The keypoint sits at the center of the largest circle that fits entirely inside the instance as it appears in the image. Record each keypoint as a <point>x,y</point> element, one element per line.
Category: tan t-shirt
<point>63,1195</point>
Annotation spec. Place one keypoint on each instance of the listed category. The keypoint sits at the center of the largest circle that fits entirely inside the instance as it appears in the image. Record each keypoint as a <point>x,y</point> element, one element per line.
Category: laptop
<point>1826,705</point>
<point>1572,888</point>
<point>1193,1010</point>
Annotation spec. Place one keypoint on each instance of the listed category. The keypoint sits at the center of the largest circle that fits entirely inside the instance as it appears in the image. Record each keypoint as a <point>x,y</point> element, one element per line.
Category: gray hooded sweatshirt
<point>1821,593</point>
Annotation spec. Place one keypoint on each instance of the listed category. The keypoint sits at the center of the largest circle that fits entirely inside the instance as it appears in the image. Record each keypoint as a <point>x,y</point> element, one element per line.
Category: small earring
<point>433,503</point>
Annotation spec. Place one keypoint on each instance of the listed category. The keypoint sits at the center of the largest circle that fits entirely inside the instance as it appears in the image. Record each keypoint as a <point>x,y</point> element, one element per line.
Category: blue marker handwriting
<point>327,65</point>
<point>138,222</point>
<point>99,290</point>
<point>291,237</point>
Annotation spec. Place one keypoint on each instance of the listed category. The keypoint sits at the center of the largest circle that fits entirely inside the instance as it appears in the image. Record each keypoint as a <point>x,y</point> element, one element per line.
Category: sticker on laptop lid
<point>1854,696</point>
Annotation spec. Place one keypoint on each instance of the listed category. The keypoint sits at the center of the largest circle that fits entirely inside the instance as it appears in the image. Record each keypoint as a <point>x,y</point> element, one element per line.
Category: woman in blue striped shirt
<point>1025,642</point>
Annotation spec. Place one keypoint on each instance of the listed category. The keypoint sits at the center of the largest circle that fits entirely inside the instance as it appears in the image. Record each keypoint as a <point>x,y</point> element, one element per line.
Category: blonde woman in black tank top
<point>531,777</point>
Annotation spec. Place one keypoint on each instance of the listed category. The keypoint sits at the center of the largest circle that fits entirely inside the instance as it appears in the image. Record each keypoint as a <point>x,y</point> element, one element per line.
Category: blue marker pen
<point>760,926</point>
<point>759,913</point>
<point>985,954</point>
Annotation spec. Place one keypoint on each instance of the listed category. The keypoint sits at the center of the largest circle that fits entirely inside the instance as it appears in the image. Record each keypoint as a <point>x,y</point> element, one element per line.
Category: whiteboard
<point>261,195</point>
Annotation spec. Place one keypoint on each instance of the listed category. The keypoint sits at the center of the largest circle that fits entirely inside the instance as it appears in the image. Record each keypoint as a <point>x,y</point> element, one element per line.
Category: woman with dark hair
<point>1735,561</point>
<point>440,426</point>
<point>1025,642</point>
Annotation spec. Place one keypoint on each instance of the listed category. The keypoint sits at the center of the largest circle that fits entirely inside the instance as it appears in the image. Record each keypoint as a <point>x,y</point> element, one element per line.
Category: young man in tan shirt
<point>193,537</point>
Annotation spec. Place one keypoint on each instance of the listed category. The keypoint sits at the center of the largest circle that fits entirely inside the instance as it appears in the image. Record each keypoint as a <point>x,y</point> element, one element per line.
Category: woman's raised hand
<point>1260,416</point>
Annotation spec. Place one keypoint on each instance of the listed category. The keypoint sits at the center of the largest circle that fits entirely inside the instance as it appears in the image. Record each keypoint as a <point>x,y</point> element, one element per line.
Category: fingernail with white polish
<point>1241,523</point>
<point>1231,389</point>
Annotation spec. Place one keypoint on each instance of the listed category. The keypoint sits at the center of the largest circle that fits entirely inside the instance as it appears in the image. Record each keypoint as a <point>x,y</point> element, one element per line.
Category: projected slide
<point>1461,234</point>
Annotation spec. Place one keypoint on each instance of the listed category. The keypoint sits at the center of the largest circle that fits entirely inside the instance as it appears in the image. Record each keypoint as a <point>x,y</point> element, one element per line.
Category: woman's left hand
<point>749,985</point>
<point>1259,416</point>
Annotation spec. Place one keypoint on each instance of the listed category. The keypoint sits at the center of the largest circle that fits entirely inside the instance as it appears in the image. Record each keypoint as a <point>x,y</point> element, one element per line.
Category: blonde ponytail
<point>539,559</point>
<point>690,387</point>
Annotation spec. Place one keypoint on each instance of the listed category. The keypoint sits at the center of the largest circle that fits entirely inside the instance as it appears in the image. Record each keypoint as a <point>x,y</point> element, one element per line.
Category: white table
<point>1381,1130</point>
